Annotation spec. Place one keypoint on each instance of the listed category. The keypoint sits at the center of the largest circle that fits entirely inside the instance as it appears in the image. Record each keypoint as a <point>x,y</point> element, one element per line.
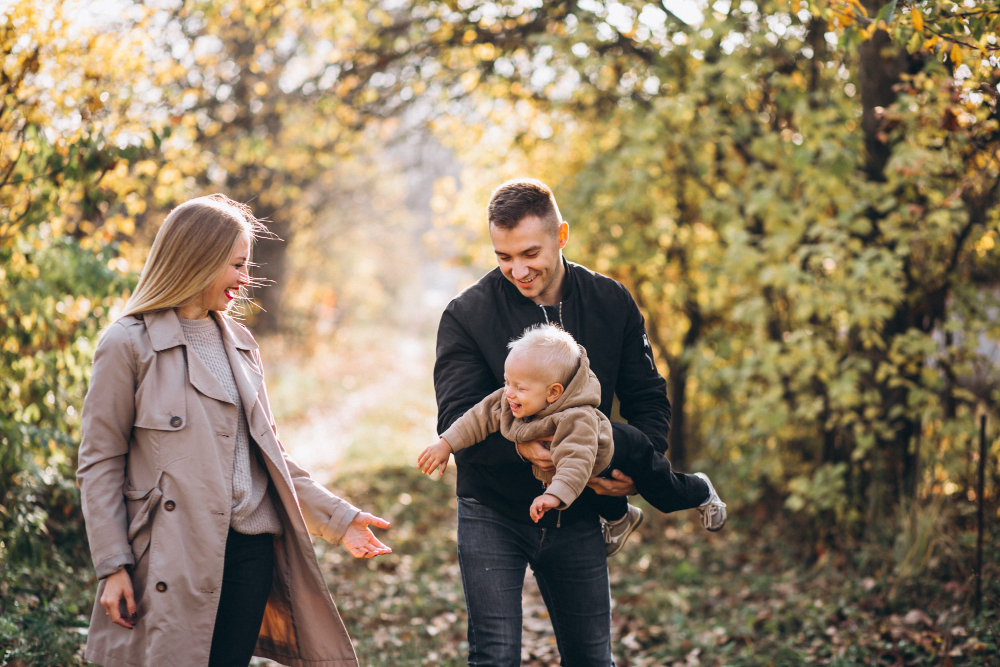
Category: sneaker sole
<point>621,544</point>
<point>720,526</point>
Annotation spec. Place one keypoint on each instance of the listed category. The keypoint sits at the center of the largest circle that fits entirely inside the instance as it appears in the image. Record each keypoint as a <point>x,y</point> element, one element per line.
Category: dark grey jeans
<point>570,565</point>
<point>246,583</point>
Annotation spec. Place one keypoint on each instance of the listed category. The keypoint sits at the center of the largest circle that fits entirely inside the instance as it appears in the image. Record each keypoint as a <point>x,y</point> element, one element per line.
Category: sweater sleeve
<point>462,378</point>
<point>476,424</point>
<point>574,450</point>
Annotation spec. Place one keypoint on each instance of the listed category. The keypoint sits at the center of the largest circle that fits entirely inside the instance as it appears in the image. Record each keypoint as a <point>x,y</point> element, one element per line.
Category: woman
<point>198,521</point>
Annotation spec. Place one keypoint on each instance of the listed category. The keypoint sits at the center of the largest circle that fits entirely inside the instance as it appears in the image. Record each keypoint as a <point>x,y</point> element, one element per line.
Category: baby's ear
<point>555,391</point>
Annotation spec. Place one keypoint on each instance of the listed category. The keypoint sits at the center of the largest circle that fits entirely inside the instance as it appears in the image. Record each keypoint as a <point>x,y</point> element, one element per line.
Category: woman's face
<point>221,293</point>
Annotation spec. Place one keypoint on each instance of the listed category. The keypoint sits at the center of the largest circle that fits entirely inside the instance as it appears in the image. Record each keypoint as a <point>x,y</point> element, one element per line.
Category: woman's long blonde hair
<point>190,251</point>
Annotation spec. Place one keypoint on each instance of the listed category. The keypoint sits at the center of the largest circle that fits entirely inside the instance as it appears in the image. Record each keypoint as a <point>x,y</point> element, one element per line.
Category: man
<point>496,537</point>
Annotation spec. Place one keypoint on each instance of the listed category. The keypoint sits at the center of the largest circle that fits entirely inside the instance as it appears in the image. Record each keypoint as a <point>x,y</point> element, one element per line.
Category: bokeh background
<point>802,195</point>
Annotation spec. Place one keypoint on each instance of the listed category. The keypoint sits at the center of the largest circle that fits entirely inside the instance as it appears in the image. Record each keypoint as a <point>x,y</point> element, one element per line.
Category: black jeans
<point>570,565</point>
<point>246,583</point>
<point>655,480</point>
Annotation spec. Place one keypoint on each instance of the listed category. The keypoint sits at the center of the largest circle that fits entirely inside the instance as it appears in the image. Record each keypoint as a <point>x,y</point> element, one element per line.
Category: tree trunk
<point>880,64</point>
<point>270,255</point>
<point>678,397</point>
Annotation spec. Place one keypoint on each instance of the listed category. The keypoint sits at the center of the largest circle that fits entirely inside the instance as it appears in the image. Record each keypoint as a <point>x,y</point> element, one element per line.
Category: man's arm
<point>641,390</point>
<point>642,393</point>
<point>462,378</point>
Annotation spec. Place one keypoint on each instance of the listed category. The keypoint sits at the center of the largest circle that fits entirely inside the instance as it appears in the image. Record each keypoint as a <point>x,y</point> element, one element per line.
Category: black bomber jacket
<point>471,349</point>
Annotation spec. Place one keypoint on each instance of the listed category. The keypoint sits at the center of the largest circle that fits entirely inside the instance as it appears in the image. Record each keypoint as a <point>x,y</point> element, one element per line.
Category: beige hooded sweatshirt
<point>582,443</point>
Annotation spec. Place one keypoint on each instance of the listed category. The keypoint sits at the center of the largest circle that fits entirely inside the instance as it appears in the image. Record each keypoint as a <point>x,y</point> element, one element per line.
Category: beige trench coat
<point>156,467</point>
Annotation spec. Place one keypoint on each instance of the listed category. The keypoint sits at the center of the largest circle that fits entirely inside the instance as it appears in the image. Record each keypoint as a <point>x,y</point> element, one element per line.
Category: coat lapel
<point>165,331</point>
<point>245,370</point>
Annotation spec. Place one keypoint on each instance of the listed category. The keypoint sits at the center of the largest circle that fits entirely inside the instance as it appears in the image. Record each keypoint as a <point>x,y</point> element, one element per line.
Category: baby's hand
<point>543,504</point>
<point>434,456</point>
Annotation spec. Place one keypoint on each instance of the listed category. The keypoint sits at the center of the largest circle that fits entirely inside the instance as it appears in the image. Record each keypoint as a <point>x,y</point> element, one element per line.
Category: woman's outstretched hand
<point>359,539</point>
<point>116,587</point>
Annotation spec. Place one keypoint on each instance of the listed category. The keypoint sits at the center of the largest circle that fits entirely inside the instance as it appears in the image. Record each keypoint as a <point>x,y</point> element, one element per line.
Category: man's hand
<point>621,485</point>
<point>360,541</point>
<point>435,456</point>
<point>116,587</point>
<point>543,504</point>
<point>537,451</point>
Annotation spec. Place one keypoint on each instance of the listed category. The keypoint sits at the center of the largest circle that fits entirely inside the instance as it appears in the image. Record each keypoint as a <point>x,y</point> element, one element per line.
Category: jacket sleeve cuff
<point>108,566</point>
<point>333,531</point>
<point>454,437</point>
<point>563,492</point>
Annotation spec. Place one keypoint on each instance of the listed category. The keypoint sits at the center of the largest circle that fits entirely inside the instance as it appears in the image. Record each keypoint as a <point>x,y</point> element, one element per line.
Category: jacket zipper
<point>545,314</point>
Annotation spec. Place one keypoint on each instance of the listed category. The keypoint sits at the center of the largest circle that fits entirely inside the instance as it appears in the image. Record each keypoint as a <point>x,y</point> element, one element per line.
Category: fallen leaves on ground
<point>681,596</point>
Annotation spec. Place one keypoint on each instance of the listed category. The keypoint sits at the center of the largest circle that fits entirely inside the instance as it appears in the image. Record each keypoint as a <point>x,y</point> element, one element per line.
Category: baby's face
<point>527,389</point>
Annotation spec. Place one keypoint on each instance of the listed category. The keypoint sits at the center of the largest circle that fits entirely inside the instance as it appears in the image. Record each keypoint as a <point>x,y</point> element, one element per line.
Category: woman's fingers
<point>372,520</point>
<point>130,603</point>
<point>116,587</point>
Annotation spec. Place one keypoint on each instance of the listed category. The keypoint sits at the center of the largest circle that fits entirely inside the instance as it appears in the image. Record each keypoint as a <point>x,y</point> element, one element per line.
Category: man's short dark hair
<point>516,199</point>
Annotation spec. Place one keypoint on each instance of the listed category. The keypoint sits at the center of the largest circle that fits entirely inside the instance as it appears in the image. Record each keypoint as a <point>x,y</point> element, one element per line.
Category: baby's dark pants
<point>655,480</point>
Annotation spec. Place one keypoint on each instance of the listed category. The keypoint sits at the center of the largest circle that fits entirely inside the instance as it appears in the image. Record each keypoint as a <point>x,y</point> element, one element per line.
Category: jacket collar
<point>247,374</point>
<point>164,328</point>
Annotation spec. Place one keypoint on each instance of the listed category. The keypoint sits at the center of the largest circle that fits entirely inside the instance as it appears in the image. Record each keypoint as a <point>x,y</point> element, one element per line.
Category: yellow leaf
<point>796,6</point>
<point>918,20</point>
<point>956,55</point>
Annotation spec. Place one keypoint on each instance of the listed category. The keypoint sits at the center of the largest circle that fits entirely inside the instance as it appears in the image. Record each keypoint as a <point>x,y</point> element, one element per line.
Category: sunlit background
<point>802,196</point>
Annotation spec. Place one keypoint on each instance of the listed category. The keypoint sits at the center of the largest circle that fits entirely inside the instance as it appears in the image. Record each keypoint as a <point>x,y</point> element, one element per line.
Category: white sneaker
<point>713,510</point>
<point>616,533</point>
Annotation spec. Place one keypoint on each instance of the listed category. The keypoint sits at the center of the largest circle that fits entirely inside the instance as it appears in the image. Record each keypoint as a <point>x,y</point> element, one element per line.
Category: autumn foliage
<point>802,196</point>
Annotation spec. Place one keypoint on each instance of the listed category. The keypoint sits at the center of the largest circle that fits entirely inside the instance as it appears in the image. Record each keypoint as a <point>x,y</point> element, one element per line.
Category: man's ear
<point>563,234</point>
<point>555,391</point>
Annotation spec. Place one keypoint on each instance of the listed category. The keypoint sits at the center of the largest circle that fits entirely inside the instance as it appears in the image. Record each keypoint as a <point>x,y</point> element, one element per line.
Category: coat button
<point>161,586</point>
<point>169,505</point>
<point>175,421</point>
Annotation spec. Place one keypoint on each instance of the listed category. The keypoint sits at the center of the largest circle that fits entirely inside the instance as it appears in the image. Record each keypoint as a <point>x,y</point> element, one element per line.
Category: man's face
<point>529,257</point>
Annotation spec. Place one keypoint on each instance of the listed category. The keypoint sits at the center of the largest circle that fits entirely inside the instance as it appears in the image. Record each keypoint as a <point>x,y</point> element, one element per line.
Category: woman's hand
<point>360,541</point>
<point>116,587</point>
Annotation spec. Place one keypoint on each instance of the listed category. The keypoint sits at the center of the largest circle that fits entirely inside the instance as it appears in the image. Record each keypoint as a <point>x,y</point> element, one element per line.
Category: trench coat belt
<point>139,530</point>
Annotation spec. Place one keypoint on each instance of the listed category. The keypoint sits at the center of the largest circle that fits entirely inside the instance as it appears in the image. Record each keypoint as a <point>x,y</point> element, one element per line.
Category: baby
<point>550,391</point>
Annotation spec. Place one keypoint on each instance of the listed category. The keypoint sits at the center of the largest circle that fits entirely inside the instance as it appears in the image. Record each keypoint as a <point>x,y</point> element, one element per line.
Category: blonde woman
<point>198,520</point>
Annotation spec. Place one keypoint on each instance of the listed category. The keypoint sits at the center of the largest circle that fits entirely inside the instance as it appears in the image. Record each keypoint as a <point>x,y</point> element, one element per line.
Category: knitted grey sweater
<point>253,510</point>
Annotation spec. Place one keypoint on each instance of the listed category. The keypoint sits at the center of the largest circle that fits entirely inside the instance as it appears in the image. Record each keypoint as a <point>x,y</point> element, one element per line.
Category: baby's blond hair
<point>557,351</point>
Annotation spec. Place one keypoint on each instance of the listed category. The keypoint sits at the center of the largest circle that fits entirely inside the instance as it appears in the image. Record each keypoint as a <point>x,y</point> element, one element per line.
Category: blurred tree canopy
<point>802,195</point>
<point>804,200</point>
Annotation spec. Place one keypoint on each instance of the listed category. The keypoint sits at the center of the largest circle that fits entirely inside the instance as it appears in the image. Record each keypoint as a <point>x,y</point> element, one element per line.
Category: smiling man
<point>497,539</point>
